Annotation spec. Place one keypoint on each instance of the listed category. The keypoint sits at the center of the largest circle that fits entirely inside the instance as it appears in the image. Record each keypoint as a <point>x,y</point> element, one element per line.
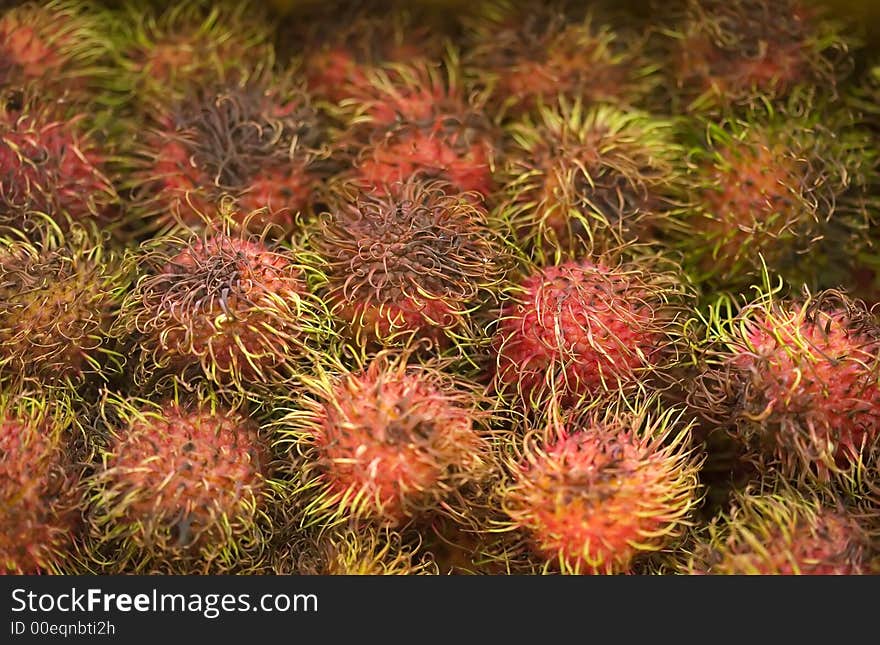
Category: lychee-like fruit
<point>597,492</point>
<point>338,56</point>
<point>797,379</point>
<point>51,167</point>
<point>741,52</point>
<point>783,533</point>
<point>383,443</point>
<point>580,180</point>
<point>776,188</point>
<point>222,306</point>
<point>411,265</point>
<point>586,328</point>
<point>164,52</point>
<point>258,143</point>
<point>365,550</point>
<point>181,489</point>
<point>58,300</point>
<point>40,488</point>
<point>532,54</point>
<point>61,47</point>
<point>420,118</point>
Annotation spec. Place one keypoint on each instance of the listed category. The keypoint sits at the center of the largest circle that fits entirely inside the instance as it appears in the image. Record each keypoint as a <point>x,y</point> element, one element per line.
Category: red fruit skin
<point>215,461</point>
<point>391,444</point>
<point>465,165</point>
<point>816,383</point>
<point>48,167</point>
<point>227,304</point>
<point>593,498</point>
<point>579,329</point>
<point>38,513</point>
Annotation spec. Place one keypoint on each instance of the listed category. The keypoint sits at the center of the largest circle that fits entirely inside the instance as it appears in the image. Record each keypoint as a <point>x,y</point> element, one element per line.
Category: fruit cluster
<point>376,288</point>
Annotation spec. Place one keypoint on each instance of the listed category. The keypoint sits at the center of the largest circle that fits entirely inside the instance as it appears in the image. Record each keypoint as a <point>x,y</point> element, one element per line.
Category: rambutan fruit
<point>531,54</point>
<point>420,118</point>
<point>581,180</point>
<point>163,51</point>
<point>798,380</point>
<point>58,300</point>
<point>259,143</point>
<point>383,443</point>
<point>50,166</point>
<point>778,187</point>
<point>410,265</point>
<point>586,328</point>
<point>783,533</point>
<point>735,53</point>
<point>222,306</point>
<point>40,488</point>
<point>58,46</point>
<point>180,489</point>
<point>338,56</point>
<point>598,492</point>
<point>365,550</point>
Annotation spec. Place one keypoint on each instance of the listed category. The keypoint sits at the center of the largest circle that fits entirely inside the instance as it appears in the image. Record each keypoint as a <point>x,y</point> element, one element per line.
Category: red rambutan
<point>595,493</point>
<point>799,380</point>
<point>258,143</point>
<point>411,265</point>
<point>58,300</point>
<point>385,443</point>
<point>783,533</point>
<point>224,307</point>
<point>40,489</point>
<point>50,168</point>
<point>742,52</point>
<point>586,328</point>
<point>181,488</point>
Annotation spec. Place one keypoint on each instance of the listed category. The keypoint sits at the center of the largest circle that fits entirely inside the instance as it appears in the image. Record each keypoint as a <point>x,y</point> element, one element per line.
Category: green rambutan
<point>798,380</point>
<point>783,187</point>
<point>259,143</point>
<point>532,54</point>
<point>51,167</point>
<point>586,328</point>
<point>58,300</point>
<point>59,46</point>
<point>409,265</point>
<point>224,306</point>
<point>162,53</point>
<point>383,443</point>
<point>180,489</point>
<point>734,53</point>
<point>783,533</point>
<point>40,488</point>
<point>580,180</point>
<point>597,492</point>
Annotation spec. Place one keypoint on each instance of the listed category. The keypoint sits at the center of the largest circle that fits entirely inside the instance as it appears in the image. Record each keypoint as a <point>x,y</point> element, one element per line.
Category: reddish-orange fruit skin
<point>593,497</point>
<point>48,167</point>
<point>783,534</point>
<point>257,143</point>
<point>802,381</point>
<point>739,52</point>
<point>582,329</point>
<point>388,442</point>
<point>226,304</point>
<point>410,265</point>
<point>38,514</point>
<point>181,489</point>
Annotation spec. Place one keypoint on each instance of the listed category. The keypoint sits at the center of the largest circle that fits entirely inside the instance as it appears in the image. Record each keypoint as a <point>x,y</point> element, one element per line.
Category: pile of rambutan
<point>385,288</point>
